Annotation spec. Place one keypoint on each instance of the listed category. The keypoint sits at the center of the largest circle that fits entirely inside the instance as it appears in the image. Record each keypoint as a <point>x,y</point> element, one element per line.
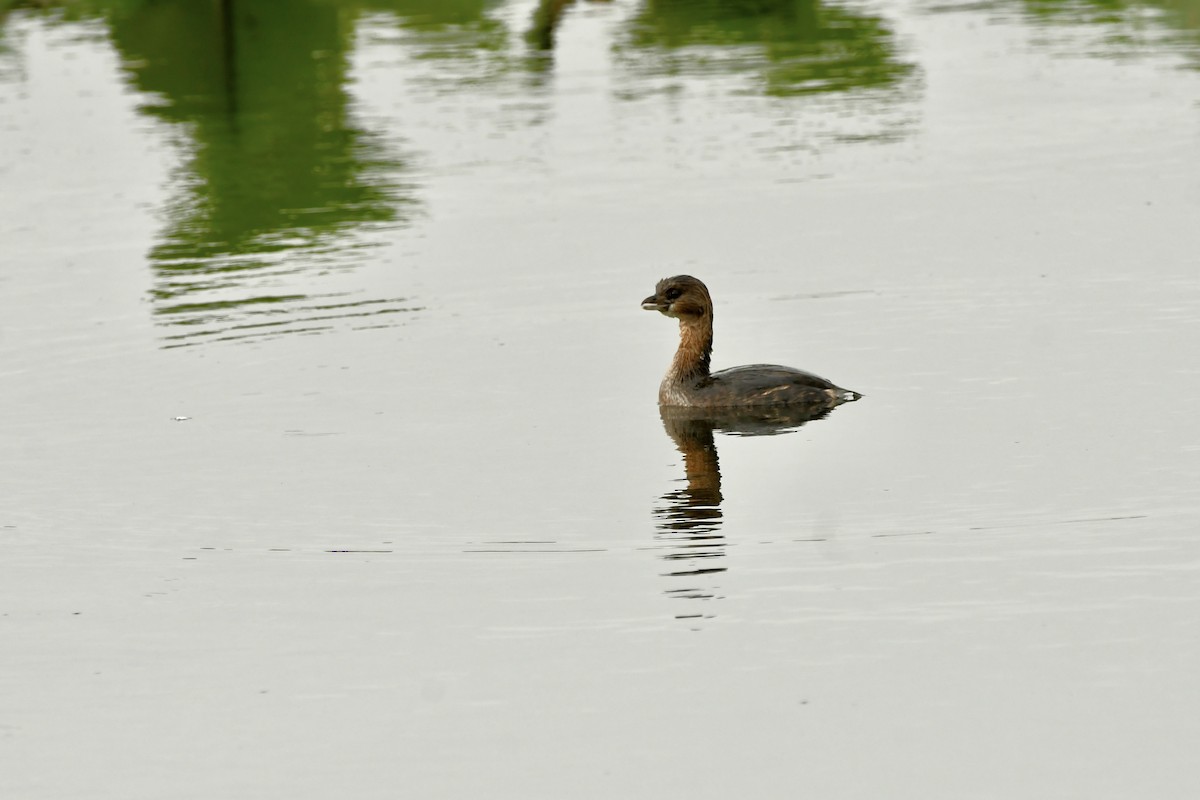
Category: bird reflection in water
<point>689,518</point>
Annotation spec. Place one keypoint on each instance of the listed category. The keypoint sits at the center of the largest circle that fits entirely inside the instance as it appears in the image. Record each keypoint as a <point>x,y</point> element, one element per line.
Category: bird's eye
<point>672,294</point>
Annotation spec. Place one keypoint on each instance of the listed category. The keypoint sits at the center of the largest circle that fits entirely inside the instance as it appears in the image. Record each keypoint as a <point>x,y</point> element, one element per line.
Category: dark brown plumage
<point>689,381</point>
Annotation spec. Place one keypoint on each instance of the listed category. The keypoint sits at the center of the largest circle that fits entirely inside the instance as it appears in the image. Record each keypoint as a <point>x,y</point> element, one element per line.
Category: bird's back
<point>767,385</point>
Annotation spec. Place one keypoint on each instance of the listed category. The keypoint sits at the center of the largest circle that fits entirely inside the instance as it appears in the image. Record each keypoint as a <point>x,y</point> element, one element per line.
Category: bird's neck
<point>695,350</point>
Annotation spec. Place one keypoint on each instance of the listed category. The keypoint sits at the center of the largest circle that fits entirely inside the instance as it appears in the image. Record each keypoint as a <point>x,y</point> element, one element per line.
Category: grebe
<point>689,382</point>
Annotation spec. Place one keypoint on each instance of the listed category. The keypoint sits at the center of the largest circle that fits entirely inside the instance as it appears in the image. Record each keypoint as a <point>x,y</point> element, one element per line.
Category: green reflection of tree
<point>1125,29</point>
<point>276,165</point>
<point>278,185</point>
<point>796,46</point>
<point>1179,14</point>
<point>438,15</point>
<point>465,35</point>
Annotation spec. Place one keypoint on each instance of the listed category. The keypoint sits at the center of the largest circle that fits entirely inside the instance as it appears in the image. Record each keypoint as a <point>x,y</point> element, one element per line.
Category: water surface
<point>333,463</point>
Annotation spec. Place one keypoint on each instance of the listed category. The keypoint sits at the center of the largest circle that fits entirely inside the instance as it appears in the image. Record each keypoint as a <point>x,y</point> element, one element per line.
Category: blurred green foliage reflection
<point>282,179</point>
<point>796,46</point>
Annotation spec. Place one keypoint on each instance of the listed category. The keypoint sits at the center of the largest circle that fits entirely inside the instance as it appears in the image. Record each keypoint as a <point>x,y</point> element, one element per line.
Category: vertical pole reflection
<point>546,18</point>
<point>229,59</point>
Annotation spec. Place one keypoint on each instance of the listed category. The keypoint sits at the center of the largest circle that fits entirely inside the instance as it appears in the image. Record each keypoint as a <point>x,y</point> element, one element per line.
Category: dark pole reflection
<point>689,518</point>
<point>229,57</point>
<point>546,18</point>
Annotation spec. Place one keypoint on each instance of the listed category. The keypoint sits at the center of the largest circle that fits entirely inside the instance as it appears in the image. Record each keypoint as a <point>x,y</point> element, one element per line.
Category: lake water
<point>332,464</point>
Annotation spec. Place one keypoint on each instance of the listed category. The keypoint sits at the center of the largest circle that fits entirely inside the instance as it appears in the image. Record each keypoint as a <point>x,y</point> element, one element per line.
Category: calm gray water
<point>331,460</point>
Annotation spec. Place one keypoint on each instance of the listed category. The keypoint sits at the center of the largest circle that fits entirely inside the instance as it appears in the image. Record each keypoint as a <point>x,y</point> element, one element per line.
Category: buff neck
<point>691,361</point>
